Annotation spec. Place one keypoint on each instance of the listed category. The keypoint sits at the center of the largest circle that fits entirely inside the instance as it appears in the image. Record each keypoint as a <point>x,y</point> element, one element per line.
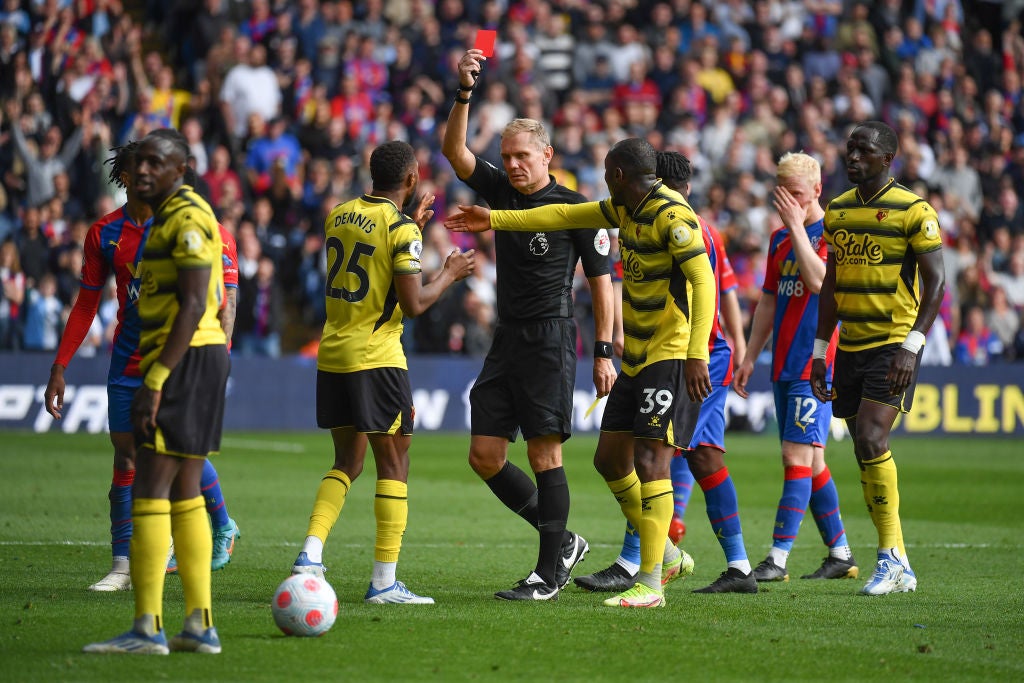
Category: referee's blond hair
<point>798,165</point>
<point>535,128</point>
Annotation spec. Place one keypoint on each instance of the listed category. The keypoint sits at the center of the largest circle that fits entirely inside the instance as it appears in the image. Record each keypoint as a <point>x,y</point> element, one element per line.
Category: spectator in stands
<point>52,156</point>
<point>258,327</point>
<point>12,296</point>
<point>43,315</point>
<point>976,345</point>
<point>1003,321</point>
<point>250,87</point>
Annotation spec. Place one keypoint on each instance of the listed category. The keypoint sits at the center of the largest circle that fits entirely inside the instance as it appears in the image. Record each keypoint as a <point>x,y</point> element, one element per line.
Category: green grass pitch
<point>961,509</point>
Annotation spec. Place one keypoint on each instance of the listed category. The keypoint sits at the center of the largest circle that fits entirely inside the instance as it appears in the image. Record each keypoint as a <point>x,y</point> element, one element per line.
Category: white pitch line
<point>257,445</point>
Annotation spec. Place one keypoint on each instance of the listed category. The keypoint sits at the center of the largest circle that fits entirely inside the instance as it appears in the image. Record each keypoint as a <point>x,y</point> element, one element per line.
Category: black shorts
<point>377,401</point>
<point>191,414</point>
<point>527,381</point>
<point>861,376</point>
<point>653,404</point>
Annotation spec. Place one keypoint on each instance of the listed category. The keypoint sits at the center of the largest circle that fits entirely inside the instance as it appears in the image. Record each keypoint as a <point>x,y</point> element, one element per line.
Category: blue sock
<point>825,508</point>
<point>724,513</point>
<point>796,491</point>
<point>682,484</point>
<point>215,505</point>
<point>121,512</point>
<point>631,545</point>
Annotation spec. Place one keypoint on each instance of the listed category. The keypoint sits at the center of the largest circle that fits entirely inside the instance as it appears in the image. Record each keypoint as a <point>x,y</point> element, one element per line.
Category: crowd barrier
<point>278,395</point>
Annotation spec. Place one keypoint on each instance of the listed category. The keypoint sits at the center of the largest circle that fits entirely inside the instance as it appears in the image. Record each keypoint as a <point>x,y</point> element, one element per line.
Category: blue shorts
<point>802,418</point>
<point>710,429</point>
<point>119,403</point>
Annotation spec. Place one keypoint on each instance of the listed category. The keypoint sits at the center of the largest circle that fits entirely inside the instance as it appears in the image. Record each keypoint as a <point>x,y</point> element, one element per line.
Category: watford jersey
<point>369,242</point>
<point>183,235</point>
<point>662,249</point>
<point>875,243</point>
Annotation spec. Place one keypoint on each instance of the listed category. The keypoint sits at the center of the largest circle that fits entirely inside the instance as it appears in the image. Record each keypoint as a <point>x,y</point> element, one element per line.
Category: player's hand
<point>54,395</point>
<point>470,66</point>
<point>469,219</point>
<point>819,387</point>
<point>144,408</point>
<point>741,376</point>
<point>790,211</point>
<point>423,213</point>
<point>901,371</point>
<point>698,380</point>
<point>460,263</point>
<point>604,376</point>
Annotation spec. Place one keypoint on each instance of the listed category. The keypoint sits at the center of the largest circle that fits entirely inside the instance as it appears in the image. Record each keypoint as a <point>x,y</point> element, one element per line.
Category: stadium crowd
<point>282,102</point>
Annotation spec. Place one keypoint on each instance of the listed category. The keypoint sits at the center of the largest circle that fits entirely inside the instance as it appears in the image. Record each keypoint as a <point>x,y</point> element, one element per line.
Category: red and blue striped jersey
<point>796,307</point>
<point>114,245</point>
<point>725,280</point>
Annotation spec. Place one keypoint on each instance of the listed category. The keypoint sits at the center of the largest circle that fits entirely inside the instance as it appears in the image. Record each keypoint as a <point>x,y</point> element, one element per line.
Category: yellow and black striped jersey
<point>662,250</point>
<point>184,235</point>
<point>369,242</point>
<point>875,243</point>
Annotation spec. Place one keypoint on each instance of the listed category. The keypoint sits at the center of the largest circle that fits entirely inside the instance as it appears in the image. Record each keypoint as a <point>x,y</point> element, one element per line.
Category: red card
<point>485,42</point>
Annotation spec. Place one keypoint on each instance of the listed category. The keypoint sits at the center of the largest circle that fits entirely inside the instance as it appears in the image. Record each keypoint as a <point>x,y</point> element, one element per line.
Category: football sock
<point>656,515</point>
<point>778,556</point>
<point>197,621</point>
<point>193,545</point>
<point>149,545</point>
<point>724,514</point>
<point>825,510</point>
<point>552,514</point>
<point>391,508</point>
<point>383,574</point>
<point>516,490</point>
<point>682,483</point>
<point>878,481</point>
<point>215,505</point>
<point>330,498</point>
<point>121,512</point>
<point>629,556</point>
<point>796,492</point>
<point>314,549</point>
<point>627,493</point>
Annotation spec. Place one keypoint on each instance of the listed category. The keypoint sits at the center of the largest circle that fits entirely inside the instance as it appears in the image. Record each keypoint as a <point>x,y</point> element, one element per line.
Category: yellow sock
<point>391,508</point>
<point>878,479</point>
<point>193,546</point>
<point>330,498</point>
<point>627,492</point>
<point>151,539</point>
<point>657,507</point>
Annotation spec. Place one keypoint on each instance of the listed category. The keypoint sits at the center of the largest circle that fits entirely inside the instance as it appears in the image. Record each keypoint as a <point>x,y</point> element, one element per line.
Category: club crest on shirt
<point>882,215</point>
<point>539,245</point>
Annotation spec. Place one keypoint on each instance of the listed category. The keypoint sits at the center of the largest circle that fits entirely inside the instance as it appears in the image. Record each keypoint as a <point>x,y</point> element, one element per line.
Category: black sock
<point>516,490</point>
<point>552,514</point>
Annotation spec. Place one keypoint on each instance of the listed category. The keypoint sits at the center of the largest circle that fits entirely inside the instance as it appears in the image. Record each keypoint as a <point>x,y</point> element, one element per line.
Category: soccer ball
<point>304,605</point>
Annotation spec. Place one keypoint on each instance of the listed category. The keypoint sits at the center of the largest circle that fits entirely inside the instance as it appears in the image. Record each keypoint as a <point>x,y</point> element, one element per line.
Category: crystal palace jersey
<point>662,251</point>
<point>114,245</point>
<point>796,307</point>
<point>184,235</point>
<point>719,350</point>
<point>535,271</point>
<point>875,243</point>
<point>369,242</point>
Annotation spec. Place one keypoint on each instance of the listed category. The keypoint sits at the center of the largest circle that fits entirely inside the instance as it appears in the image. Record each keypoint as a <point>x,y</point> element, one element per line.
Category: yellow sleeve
<point>196,245</point>
<point>554,217</point>
<point>702,309</point>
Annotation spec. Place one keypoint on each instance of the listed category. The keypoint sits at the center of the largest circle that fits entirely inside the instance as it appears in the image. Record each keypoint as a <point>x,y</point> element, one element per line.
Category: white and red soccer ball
<point>304,605</point>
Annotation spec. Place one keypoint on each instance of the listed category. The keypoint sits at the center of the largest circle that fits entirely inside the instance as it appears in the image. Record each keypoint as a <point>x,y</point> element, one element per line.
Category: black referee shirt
<point>535,270</point>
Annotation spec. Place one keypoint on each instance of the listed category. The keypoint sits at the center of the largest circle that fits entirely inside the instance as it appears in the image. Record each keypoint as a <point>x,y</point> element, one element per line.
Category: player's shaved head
<point>635,156</point>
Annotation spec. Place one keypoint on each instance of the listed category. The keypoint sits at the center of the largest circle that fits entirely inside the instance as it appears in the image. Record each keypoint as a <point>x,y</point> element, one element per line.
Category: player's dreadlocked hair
<point>121,162</point>
<point>674,169</point>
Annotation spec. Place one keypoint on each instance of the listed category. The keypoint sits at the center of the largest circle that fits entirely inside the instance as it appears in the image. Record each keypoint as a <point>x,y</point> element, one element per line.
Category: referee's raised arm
<point>454,145</point>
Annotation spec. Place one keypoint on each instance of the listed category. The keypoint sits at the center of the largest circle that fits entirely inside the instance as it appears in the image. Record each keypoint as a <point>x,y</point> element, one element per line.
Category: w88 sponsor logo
<point>791,287</point>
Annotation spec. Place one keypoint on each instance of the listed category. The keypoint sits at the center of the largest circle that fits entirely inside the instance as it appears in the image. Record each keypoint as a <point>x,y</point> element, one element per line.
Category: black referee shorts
<point>527,381</point>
